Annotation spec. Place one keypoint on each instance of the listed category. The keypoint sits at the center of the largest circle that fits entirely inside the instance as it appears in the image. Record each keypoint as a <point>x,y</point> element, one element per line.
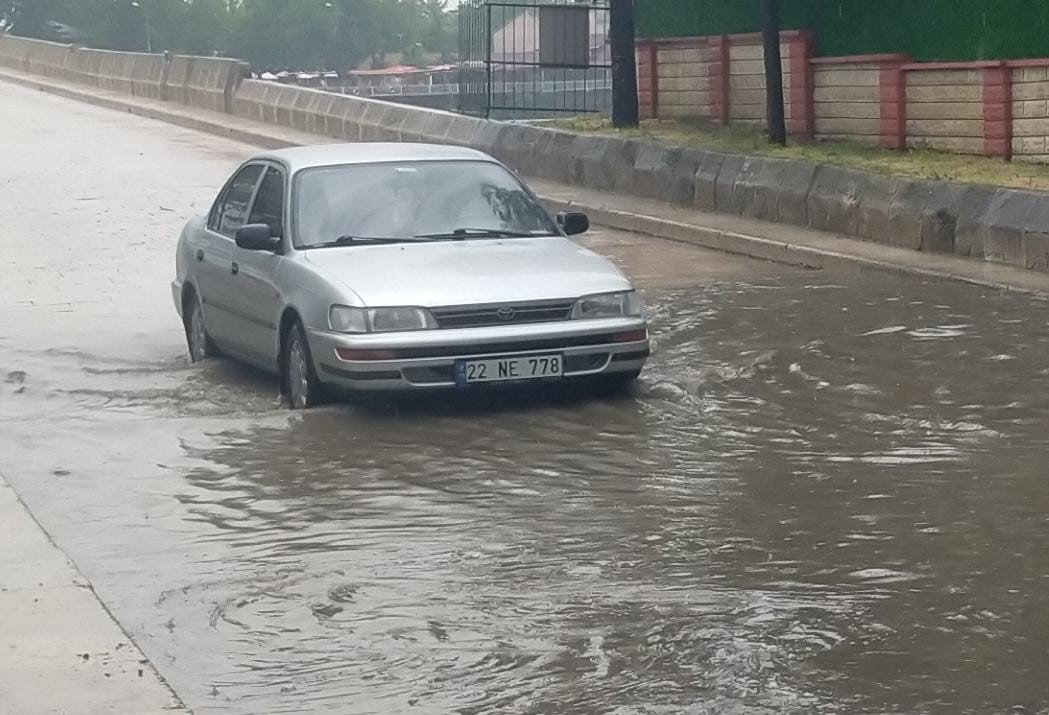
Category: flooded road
<point>828,493</point>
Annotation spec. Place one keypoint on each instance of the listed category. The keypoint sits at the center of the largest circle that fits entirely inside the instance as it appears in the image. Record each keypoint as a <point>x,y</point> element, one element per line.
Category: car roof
<point>308,157</point>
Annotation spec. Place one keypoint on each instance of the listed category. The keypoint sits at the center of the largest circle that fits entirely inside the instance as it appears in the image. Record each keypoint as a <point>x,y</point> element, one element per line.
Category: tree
<point>293,34</point>
<point>30,17</point>
<point>624,65</point>
<point>773,73</point>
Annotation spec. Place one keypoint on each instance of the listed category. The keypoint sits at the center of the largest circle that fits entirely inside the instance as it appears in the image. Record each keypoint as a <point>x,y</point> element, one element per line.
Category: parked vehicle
<point>400,266</point>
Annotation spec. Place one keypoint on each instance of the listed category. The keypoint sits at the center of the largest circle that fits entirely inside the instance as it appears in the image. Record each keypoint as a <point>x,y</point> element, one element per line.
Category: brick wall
<point>846,100</point>
<point>684,85</point>
<point>723,78</point>
<point>1030,113</point>
<point>945,109</point>
<point>747,80</point>
<point>994,108</point>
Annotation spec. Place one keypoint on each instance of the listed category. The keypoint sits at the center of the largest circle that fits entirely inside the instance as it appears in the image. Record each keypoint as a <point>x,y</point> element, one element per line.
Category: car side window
<point>269,202</point>
<point>233,208</point>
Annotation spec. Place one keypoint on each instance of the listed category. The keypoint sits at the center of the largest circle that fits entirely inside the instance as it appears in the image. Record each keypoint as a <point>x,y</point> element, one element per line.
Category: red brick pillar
<point>644,79</point>
<point>998,112</point>
<point>893,93</point>
<point>802,89</point>
<point>719,79</point>
<point>653,67</point>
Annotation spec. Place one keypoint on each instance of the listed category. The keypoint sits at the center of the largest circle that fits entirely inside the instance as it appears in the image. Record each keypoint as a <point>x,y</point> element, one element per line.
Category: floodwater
<point>821,496</point>
<point>827,493</point>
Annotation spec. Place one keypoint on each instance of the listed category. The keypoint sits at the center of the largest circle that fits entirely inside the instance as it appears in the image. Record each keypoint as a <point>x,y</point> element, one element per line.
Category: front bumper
<point>426,359</point>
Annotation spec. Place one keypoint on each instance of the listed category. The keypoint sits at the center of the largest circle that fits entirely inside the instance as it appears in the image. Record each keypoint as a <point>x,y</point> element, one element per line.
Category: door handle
<point>234,269</point>
<point>200,254</point>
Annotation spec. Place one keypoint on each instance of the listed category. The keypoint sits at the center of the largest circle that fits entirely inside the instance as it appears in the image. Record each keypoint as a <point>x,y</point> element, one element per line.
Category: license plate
<point>531,367</point>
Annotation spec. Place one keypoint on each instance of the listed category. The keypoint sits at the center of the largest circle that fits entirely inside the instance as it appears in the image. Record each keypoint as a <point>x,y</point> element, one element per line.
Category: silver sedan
<point>400,266</point>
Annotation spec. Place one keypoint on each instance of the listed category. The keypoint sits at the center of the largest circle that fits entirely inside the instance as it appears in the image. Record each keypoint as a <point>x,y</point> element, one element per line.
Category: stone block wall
<point>847,101</point>
<point>746,96</point>
<point>1030,111</point>
<point>674,78</point>
<point>684,84</point>
<point>945,109</point>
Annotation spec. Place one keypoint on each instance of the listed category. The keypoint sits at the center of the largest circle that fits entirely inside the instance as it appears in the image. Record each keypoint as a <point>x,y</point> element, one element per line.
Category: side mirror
<point>573,223</point>
<point>256,237</point>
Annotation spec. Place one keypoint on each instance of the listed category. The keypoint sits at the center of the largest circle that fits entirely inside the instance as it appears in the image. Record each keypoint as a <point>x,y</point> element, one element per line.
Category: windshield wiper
<point>349,240</point>
<point>461,234</point>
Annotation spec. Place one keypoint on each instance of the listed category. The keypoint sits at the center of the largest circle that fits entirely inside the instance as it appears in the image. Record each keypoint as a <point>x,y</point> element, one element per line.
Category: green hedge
<point>944,30</point>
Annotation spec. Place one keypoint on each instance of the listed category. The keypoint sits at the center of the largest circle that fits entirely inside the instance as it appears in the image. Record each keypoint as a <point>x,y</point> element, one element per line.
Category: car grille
<point>473,316</point>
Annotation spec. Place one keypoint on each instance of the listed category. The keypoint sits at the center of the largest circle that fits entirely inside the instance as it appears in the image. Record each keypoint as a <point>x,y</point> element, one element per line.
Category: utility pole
<point>625,113</point>
<point>773,73</point>
<point>144,7</point>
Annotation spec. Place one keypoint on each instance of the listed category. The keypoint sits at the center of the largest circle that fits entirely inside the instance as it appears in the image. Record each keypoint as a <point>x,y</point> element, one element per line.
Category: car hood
<point>468,272</point>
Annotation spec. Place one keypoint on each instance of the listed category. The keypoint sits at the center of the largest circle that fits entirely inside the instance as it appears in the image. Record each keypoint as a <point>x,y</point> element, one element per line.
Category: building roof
<point>306,157</point>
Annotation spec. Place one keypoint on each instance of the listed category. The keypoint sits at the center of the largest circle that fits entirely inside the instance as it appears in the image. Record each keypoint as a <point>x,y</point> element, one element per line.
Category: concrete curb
<point>716,183</point>
<point>777,251</point>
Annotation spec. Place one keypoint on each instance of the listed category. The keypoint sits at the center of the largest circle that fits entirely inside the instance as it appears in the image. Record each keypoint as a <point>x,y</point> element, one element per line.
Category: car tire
<point>299,383</point>
<point>201,346</point>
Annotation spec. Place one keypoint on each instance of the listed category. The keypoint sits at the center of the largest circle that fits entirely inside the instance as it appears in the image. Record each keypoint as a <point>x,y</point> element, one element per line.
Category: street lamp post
<point>144,6</point>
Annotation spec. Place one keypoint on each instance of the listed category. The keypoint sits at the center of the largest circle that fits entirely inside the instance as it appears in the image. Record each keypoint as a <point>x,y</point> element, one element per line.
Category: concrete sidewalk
<point>732,234</point>
<point>60,649</point>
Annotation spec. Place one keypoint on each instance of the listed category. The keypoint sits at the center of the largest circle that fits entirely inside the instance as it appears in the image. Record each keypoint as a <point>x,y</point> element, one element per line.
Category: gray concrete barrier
<point>204,82</point>
<point>49,59</point>
<point>14,52</point>
<point>133,73</point>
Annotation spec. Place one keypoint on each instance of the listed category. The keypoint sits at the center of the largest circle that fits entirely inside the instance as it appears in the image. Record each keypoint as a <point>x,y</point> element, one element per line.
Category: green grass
<point>919,163</point>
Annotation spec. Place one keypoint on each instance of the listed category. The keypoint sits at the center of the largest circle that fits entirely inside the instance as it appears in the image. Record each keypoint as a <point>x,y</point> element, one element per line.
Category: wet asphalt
<point>827,493</point>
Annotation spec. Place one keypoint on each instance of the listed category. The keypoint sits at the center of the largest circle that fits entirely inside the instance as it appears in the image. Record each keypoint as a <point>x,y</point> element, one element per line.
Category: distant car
<point>400,266</point>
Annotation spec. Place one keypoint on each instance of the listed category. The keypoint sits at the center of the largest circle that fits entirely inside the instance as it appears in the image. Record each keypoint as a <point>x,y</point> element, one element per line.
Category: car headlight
<point>345,319</point>
<point>608,305</point>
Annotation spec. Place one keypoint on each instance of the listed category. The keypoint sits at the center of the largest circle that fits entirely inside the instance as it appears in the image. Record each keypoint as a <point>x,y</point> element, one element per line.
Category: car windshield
<point>413,201</point>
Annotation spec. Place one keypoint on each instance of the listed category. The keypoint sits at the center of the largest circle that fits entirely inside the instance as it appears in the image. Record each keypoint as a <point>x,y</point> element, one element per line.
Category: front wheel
<point>200,345</point>
<point>301,387</point>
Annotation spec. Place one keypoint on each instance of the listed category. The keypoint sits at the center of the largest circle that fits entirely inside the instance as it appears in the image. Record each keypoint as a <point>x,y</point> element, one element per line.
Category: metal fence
<point>528,58</point>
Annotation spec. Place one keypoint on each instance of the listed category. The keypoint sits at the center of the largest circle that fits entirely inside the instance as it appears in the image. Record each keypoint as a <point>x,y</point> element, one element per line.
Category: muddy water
<point>822,496</point>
